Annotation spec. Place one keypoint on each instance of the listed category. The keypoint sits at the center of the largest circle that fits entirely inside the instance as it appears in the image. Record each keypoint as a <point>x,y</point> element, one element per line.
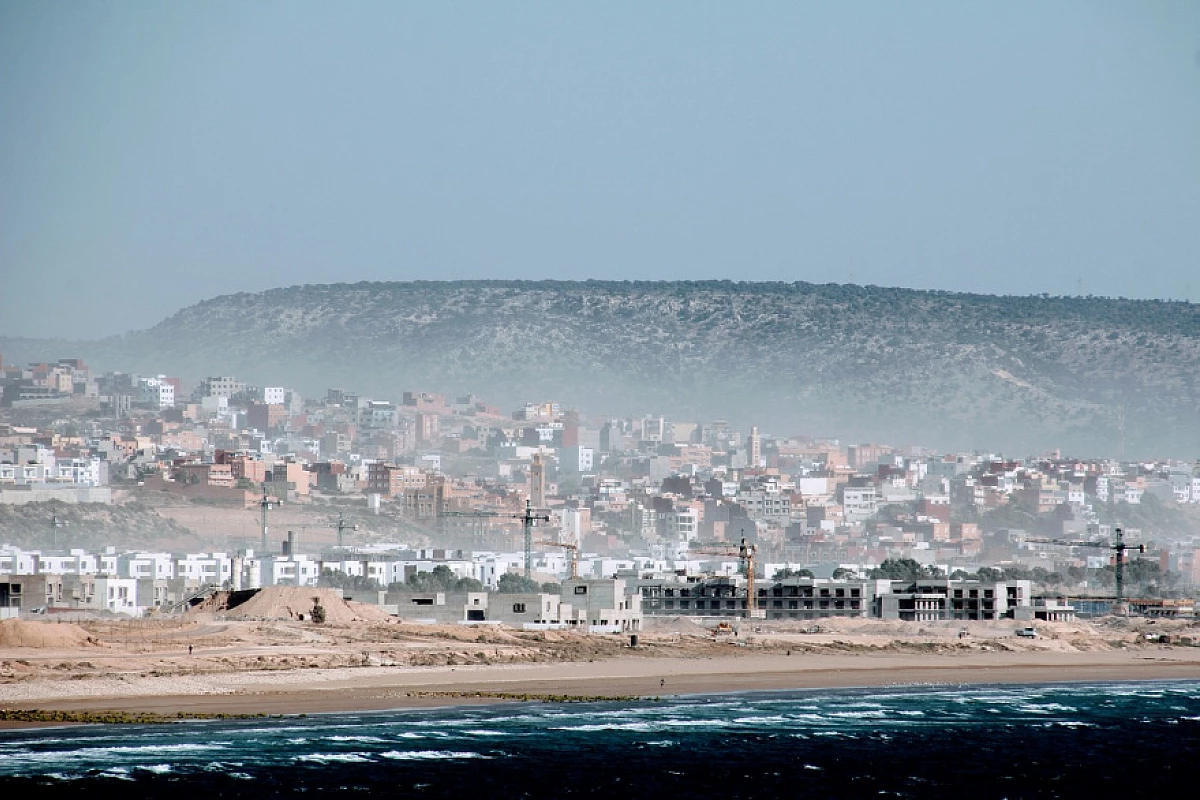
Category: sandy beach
<point>374,688</point>
<point>251,667</point>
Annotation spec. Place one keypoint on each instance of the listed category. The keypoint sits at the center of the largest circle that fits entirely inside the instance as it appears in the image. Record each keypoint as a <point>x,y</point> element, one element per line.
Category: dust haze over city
<point>375,356</point>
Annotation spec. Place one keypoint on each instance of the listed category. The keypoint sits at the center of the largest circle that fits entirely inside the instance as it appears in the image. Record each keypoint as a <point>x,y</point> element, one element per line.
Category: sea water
<point>1095,740</point>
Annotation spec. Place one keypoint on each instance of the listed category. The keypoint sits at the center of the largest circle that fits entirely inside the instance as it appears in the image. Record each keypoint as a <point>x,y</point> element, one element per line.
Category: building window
<point>518,608</point>
<point>580,590</point>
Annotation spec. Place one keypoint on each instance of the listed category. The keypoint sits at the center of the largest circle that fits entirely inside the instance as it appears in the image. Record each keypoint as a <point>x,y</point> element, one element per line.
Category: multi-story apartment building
<point>859,503</point>
<point>222,386</point>
<point>156,392</point>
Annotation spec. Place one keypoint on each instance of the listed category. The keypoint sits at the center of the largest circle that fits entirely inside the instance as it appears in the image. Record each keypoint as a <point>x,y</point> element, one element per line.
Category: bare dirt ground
<point>191,660</point>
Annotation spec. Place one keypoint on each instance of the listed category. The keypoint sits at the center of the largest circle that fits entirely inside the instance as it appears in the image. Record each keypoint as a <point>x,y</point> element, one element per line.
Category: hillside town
<point>448,509</point>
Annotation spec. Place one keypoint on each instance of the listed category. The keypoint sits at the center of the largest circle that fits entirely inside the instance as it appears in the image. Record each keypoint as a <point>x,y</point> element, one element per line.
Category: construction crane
<point>573,548</point>
<point>1118,545</point>
<point>265,505</point>
<point>745,553</point>
<point>55,524</point>
<point>341,526</point>
<point>528,517</point>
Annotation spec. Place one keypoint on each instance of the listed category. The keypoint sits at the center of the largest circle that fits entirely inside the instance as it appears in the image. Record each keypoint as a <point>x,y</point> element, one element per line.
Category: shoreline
<point>378,689</point>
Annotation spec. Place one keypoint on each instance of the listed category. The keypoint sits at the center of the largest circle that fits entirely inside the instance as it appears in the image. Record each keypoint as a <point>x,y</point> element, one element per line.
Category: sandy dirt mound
<point>23,633</point>
<point>289,602</point>
<point>655,624</point>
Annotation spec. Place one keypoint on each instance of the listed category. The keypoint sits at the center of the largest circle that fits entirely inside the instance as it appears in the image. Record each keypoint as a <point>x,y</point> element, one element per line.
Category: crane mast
<point>1118,546</point>
<point>574,551</point>
<point>265,505</point>
<point>746,554</point>
<point>528,518</point>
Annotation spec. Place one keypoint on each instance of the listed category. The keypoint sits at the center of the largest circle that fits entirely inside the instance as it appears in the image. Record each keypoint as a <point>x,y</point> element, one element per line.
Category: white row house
<point>158,566</point>
<point>205,568</point>
<point>77,471</point>
<point>293,570</point>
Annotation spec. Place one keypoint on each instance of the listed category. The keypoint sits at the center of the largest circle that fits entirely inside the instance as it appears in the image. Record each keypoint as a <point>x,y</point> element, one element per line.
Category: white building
<point>205,568</point>
<point>118,595</point>
<point>156,392</point>
<point>293,570</point>
<point>604,605</point>
<point>681,525</point>
<point>141,566</point>
<point>576,523</point>
<point>858,503</point>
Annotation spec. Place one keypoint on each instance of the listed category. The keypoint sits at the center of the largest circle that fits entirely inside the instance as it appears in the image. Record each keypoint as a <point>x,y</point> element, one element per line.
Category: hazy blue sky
<point>155,154</point>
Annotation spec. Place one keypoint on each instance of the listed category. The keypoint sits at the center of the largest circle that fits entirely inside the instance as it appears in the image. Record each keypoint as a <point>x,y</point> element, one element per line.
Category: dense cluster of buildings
<point>634,498</point>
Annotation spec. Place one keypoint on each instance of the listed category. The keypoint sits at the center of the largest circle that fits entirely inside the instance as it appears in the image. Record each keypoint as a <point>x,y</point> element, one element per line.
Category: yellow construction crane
<point>574,548</point>
<point>745,553</point>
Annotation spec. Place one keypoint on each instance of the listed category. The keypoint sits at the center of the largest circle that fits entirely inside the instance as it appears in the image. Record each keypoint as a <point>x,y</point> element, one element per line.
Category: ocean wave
<point>14,761</point>
<point>430,755</point>
<point>773,719</point>
<point>872,714</point>
<point>157,769</point>
<point>335,758</point>
<point>1046,708</point>
<point>648,725</point>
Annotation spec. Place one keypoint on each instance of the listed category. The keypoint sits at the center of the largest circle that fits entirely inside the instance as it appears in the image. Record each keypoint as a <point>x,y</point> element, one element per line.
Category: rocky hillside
<point>1021,374</point>
<point>90,526</point>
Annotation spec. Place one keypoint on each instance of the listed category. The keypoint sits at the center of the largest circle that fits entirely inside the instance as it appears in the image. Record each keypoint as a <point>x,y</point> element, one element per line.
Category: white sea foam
<point>648,726</point>
<point>874,714</point>
<point>771,720</point>
<point>810,718</point>
<point>430,755</point>
<point>361,739</point>
<point>1047,708</point>
<point>335,758</point>
<point>103,755</point>
<point>120,773</point>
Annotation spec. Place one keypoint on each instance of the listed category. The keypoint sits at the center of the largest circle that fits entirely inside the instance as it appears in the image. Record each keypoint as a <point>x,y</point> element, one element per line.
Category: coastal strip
<point>349,690</point>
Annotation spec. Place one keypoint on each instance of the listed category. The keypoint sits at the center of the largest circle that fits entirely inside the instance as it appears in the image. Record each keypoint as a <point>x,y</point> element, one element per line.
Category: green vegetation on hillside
<point>1021,374</point>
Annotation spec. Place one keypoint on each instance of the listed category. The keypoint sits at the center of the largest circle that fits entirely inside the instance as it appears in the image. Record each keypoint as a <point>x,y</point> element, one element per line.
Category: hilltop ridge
<point>930,367</point>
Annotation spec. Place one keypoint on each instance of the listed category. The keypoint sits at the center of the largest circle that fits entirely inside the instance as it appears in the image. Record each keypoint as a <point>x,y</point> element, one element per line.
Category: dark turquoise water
<point>1079,740</point>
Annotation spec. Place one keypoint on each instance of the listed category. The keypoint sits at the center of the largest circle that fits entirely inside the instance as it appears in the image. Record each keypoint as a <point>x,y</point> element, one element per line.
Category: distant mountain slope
<point>952,370</point>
